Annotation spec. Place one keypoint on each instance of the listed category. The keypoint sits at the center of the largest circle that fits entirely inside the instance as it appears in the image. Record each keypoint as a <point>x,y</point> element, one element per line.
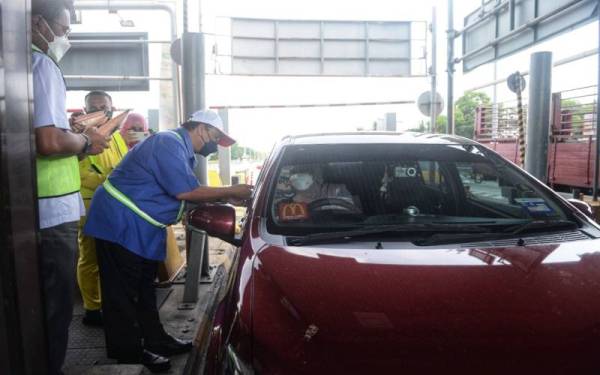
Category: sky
<point>261,128</point>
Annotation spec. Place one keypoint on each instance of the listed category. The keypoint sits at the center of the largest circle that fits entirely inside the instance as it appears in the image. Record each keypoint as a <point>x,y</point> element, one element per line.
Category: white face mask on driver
<point>59,45</point>
<point>301,181</point>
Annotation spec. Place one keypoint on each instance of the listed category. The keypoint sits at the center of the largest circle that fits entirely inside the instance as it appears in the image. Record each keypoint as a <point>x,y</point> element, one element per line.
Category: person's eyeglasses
<point>65,29</point>
<point>214,135</point>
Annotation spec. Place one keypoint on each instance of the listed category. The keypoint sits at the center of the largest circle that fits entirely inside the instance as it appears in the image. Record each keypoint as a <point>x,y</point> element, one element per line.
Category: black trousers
<point>58,256</point>
<point>129,307</point>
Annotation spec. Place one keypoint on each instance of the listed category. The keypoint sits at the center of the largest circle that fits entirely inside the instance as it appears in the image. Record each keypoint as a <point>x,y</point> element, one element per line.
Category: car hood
<point>335,309</point>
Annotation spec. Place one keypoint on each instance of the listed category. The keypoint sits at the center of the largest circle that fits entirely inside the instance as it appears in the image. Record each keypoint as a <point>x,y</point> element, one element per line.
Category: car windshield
<point>320,188</point>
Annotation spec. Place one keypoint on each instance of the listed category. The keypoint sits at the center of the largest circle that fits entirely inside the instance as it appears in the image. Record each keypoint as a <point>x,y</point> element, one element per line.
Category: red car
<point>379,253</point>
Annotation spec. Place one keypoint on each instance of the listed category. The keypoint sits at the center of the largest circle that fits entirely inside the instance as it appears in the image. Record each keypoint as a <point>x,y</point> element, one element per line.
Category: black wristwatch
<point>88,144</point>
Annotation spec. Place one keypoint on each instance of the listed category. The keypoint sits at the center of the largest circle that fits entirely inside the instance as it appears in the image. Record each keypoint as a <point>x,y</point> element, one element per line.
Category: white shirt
<point>49,104</point>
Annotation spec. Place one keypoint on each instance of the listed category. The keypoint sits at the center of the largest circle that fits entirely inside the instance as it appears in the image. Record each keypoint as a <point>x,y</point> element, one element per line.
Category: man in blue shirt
<point>128,216</point>
<point>59,203</point>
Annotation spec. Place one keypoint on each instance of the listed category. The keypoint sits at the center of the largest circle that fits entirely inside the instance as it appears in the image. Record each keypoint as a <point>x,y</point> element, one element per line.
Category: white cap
<point>213,119</point>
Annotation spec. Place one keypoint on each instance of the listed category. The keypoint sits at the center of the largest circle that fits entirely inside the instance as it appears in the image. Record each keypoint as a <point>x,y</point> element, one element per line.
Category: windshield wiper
<point>445,238</point>
<point>343,236</point>
<point>543,224</point>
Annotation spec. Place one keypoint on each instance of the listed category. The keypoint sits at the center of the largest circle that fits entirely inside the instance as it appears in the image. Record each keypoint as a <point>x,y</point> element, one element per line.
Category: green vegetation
<point>464,115</point>
<point>240,152</point>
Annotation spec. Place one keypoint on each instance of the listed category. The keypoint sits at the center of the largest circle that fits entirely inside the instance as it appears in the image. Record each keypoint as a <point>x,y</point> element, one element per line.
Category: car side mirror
<point>583,207</point>
<point>218,220</point>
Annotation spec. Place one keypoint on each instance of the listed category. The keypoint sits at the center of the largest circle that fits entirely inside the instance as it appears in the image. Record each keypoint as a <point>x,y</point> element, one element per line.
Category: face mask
<point>208,149</point>
<point>301,181</point>
<point>58,46</point>
<point>135,137</point>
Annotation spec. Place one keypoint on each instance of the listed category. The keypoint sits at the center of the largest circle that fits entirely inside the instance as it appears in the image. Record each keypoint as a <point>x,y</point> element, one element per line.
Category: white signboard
<point>321,48</point>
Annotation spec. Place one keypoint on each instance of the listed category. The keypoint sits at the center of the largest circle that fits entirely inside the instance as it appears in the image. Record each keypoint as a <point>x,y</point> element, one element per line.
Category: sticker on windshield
<point>293,211</point>
<point>402,172</point>
<point>535,206</point>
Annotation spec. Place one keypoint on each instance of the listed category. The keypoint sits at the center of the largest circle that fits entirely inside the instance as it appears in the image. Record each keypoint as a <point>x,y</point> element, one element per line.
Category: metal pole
<point>225,152</point>
<point>538,122</point>
<point>597,160</point>
<point>451,31</point>
<point>433,72</point>
<point>193,86</point>
<point>521,126</point>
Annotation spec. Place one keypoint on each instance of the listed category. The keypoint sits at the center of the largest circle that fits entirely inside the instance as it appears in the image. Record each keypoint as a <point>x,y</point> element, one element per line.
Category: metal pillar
<point>193,86</point>
<point>597,163</point>
<point>198,248</point>
<point>22,324</point>
<point>433,71</point>
<point>225,152</point>
<point>538,123</point>
<point>451,33</point>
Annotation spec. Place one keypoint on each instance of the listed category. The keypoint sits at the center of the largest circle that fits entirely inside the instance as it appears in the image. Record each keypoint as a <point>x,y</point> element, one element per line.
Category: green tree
<point>464,115</point>
<point>239,152</point>
<point>440,125</point>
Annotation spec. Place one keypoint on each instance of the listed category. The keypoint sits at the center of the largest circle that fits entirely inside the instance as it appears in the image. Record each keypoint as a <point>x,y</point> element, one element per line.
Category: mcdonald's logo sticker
<point>293,211</point>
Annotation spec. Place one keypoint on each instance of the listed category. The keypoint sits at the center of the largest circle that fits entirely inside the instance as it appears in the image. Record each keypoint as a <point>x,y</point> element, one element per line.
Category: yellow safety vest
<point>115,193</point>
<point>95,168</point>
<point>56,175</point>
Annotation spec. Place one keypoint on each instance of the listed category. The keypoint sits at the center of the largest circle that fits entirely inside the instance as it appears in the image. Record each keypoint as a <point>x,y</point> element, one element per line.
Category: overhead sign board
<point>321,48</point>
<point>486,37</point>
<point>107,54</point>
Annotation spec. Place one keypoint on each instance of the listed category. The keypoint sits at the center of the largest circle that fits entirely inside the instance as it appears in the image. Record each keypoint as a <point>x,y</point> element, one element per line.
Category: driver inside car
<point>306,195</point>
<point>308,186</point>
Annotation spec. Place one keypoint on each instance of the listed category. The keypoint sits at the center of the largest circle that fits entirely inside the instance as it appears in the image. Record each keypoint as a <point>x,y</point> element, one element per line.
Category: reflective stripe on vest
<point>115,193</point>
<point>57,176</point>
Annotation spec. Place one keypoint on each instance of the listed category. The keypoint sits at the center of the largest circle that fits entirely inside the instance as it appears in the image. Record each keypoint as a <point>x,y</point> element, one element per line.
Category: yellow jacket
<point>95,168</point>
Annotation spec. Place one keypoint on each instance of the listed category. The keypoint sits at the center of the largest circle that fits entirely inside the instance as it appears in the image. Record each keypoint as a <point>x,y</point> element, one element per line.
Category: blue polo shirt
<point>152,174</point>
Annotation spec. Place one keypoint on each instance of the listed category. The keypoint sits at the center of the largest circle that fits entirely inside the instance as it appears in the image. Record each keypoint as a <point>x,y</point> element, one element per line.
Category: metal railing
<point>497,122</point>
<point>574,115</point>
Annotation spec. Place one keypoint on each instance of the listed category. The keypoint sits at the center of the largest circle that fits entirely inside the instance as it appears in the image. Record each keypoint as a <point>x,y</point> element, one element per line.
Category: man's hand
<point>77,128</point>
<point>241,191</point>
<point>215,194</point>
<point>99,142</point>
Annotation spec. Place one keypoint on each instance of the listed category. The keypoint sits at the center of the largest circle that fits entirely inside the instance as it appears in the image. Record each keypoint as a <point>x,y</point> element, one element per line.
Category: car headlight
<point>234,365</point>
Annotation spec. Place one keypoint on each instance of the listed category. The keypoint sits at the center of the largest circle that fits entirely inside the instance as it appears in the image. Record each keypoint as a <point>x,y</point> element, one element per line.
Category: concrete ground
<point>86,352</point>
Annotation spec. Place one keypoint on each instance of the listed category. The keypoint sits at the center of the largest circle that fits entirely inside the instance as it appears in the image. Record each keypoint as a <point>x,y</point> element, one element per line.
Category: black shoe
<point>92,318</point>
<point>169,346</point>
<point>155,362</point>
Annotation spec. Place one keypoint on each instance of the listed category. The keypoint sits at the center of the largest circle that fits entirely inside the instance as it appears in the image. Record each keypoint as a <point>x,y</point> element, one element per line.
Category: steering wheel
<point>337,204</point>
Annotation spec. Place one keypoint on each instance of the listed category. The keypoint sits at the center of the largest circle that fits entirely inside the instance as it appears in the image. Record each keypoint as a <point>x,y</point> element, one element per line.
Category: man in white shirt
<point>60,204</point>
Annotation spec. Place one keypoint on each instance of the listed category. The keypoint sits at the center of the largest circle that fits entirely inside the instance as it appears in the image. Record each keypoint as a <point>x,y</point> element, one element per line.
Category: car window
<point>481,183</point>
<point>320,188</point>
<point>432,175</point>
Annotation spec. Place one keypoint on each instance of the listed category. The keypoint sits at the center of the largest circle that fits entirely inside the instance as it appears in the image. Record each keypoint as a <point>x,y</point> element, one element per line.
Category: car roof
<point>376,138</point>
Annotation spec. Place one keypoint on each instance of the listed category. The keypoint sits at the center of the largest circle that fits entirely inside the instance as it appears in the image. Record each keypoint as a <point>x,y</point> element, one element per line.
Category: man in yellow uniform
<point>94,170</point>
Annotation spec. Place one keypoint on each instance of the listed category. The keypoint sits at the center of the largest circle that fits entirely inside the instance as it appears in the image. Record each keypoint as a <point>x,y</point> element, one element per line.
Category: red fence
<point>572,135</point>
